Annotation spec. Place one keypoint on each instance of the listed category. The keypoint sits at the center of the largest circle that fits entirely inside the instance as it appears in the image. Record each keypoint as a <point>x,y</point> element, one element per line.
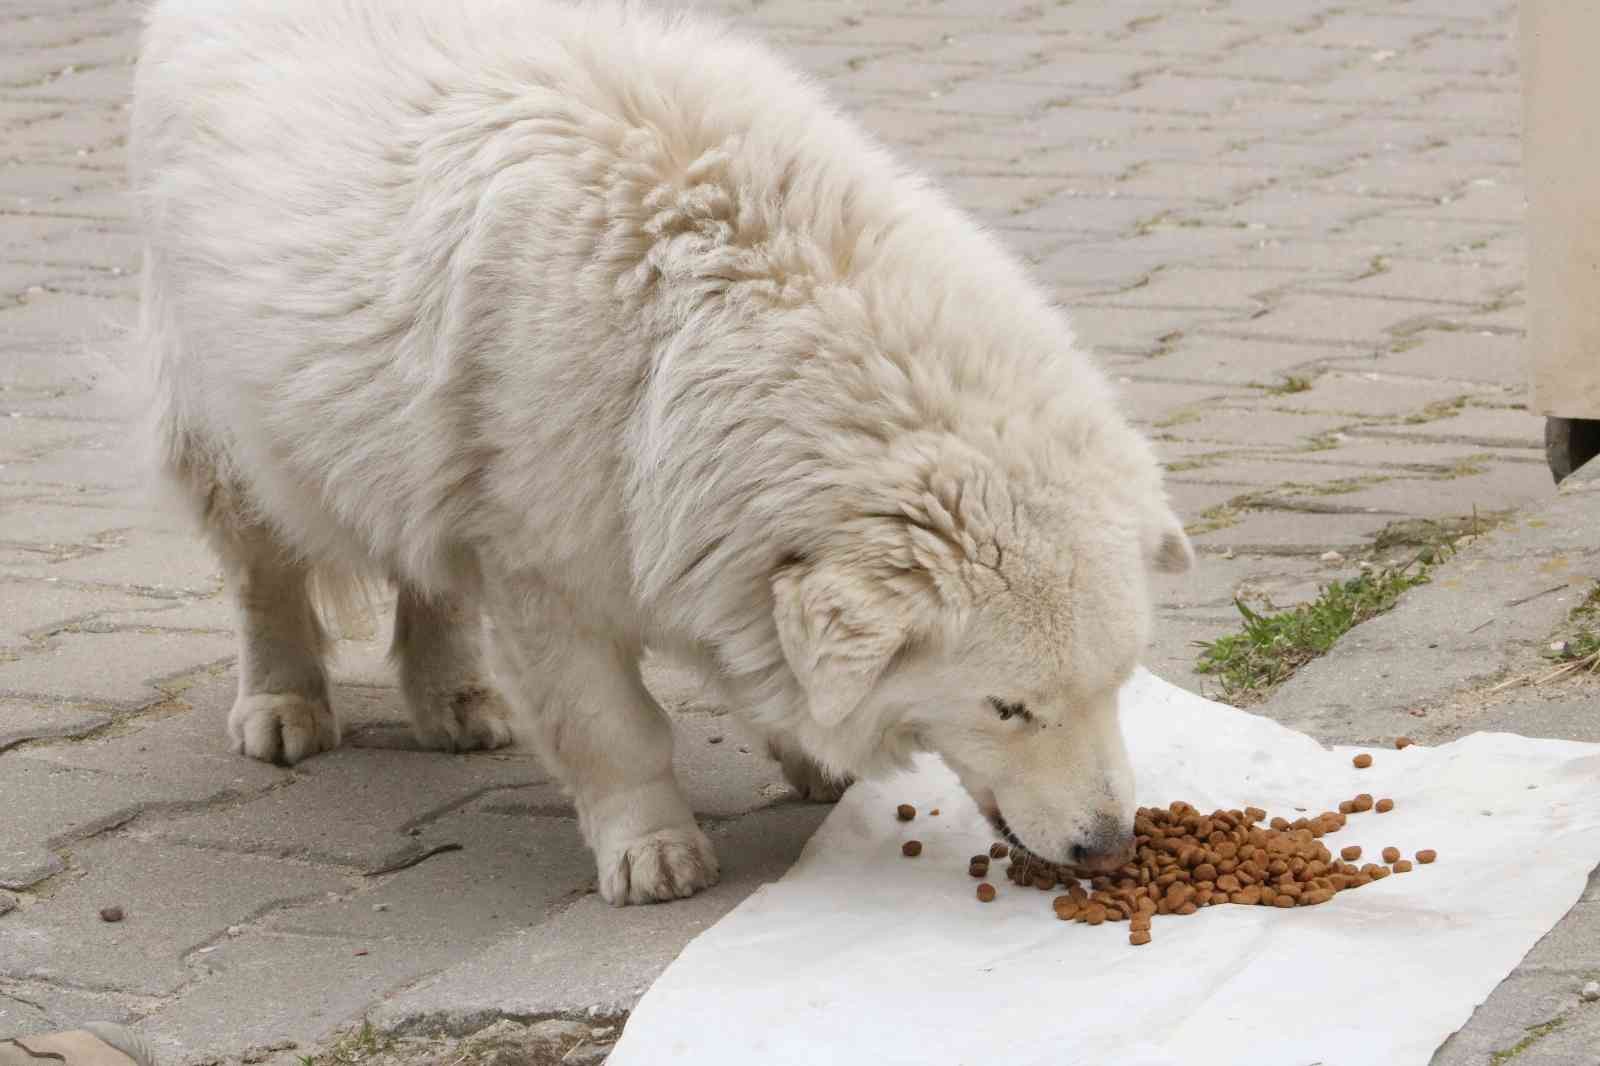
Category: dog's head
<point>996,632</point>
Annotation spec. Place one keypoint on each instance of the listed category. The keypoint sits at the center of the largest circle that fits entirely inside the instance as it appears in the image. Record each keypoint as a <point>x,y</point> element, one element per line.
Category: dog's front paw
<point>470,719</point>
<point>808,779</point>
<point>281,727</point>
<point>668,864</point>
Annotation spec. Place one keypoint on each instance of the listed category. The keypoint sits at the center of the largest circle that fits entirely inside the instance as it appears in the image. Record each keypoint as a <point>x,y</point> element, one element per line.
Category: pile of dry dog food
<point>1185,860</point>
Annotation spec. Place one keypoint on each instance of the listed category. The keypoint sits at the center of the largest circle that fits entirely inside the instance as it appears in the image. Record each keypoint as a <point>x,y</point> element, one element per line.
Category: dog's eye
<point>1008,711</point>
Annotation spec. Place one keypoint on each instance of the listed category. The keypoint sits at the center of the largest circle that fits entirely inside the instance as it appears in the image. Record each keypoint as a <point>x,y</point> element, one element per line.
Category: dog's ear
<point>1172,554</point>
<point>839,628</point>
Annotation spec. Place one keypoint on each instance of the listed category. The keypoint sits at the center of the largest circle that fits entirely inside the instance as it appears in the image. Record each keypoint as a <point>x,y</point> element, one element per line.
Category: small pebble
<point>363,951</point>
<point>380,906</point>
<point>714,740</point>
<point>911,849</point>
<point>1332,557</point>
<point>111,914</point>
<point>1591,992</point>
<point>905,812</point>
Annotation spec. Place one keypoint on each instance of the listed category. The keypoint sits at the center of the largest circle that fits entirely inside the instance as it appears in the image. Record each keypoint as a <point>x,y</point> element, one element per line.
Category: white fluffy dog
<point>594,329</point>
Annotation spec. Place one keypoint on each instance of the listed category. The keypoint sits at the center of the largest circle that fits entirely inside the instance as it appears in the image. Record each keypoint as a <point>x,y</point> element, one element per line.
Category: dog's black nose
<point>1107,844</point>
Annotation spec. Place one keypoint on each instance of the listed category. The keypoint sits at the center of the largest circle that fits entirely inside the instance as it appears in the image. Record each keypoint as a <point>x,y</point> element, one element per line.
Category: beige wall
<point>1561,132</point>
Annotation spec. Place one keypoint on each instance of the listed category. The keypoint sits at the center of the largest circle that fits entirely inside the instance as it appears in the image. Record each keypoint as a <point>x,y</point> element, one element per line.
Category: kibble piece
<point>1351,853</point>
<point>1139,937</point>
<point>1427,855</point>
<point>1363,802</point>
<point>905,812</point>
<point>1403,866</point>
<point>1384,806</point>
<point>986,893</point>
<point>1254,814</point>
<point>111,914</point>
<point>1391,855</point>
<point>911,849</point>
<point>1347,807</point>
<point>1402,743</point>
<point>979,872</point>
<point>1044,882</point>
<point>1362,761</point>
<point>1140,921</point>
<point>1096,914</point>
<point>934,813</point>
<point>998,851</point>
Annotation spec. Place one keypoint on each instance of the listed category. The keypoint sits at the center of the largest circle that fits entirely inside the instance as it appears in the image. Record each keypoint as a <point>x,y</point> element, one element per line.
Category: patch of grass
<point>1183,416</point>
<point>1214,518</point>
<point>1272,646</point>
<point>351,1048</point>
<point>1436,410</point>
<point>1288,386</point>
<point>1535,1033</point>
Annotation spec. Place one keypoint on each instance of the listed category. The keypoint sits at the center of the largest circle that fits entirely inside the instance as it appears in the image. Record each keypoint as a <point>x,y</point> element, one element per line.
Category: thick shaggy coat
<point>605,329</point>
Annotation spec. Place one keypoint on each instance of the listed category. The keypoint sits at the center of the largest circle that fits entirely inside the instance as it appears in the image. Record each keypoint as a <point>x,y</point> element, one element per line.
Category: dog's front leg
<point>609,743</point>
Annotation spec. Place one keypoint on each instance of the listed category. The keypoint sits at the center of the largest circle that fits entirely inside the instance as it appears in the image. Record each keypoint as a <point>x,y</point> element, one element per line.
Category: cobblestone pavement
<point>1292,229</point>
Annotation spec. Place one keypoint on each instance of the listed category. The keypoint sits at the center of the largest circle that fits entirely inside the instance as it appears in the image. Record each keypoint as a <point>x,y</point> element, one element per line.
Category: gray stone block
<point>508,875</point>
<point>352,807</point>
<point>46,805</point>
<point>596,957</point>
<point>23,721</point>
<point>174,900</point>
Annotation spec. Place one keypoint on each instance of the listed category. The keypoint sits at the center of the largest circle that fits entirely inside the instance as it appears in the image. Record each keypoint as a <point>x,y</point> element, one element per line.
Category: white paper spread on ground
<point>859,955</point>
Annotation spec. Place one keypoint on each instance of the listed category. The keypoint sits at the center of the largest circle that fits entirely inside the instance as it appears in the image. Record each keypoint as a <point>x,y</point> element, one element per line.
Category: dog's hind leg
<point>282,713</point>
<point>607,740</point>
<point>437,644</point>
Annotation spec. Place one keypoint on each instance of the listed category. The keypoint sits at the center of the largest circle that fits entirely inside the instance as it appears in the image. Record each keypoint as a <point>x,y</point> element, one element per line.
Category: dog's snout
<point>1107,845</point>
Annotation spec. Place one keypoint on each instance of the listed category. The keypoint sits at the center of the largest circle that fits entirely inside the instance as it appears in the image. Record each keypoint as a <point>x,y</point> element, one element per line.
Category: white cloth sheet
<point>860,955</point>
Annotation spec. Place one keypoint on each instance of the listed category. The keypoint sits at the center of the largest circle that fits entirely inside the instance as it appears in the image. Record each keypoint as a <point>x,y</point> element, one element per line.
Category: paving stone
<point>182,751</point>
<point>20,721</point>
<point>508,875</point>
<point>595,957</point>
<point>35,608</point>
<point>1138,329</point>
<point>120,668</point>
<point>1232,360</point>
<point>1375,396</point>
<point>174,900</point>
<point>41,1007</point>
<point>353,806</point>
<point>145,561</point>
<point>1293,533</point>
<point>1275,428</point>
<point>1489,426</point>
<point>1331,319</point>
<point>45,805</point>
<point>1521,1003</point>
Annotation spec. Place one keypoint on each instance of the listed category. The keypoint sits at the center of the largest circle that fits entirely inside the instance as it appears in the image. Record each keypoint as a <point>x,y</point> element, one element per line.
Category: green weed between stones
<point>1535,1033</point>
<point>1272,646</point>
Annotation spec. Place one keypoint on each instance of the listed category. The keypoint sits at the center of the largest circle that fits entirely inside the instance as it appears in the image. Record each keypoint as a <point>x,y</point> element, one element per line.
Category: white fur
<point>605,325</point>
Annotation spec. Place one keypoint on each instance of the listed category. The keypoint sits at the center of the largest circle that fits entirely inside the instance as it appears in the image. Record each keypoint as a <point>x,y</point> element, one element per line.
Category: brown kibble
<point>1139,922</point>
<point>1426,856</point>
<point>1391,855</point>
<point>978,860</point>
<point>998,851</point>
<point>1044,882</point>
<point>1384,806</point>
<point>1280,824</point>
<point>1254,814</point>
<point>1362,761</point>
<point>986,893</point>
<point>934,813</point>
<point>905,812</point>
<point>1139,937</point>
<point>1285,900</point>
<point>980,872</point>
<point>1402,743</point>
<point>1351,853</point>
<point>1403,866</point>
<point>911,849</point>
<point>1096,913</point>
<point>1347,807</point>
<point>111,914</point>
